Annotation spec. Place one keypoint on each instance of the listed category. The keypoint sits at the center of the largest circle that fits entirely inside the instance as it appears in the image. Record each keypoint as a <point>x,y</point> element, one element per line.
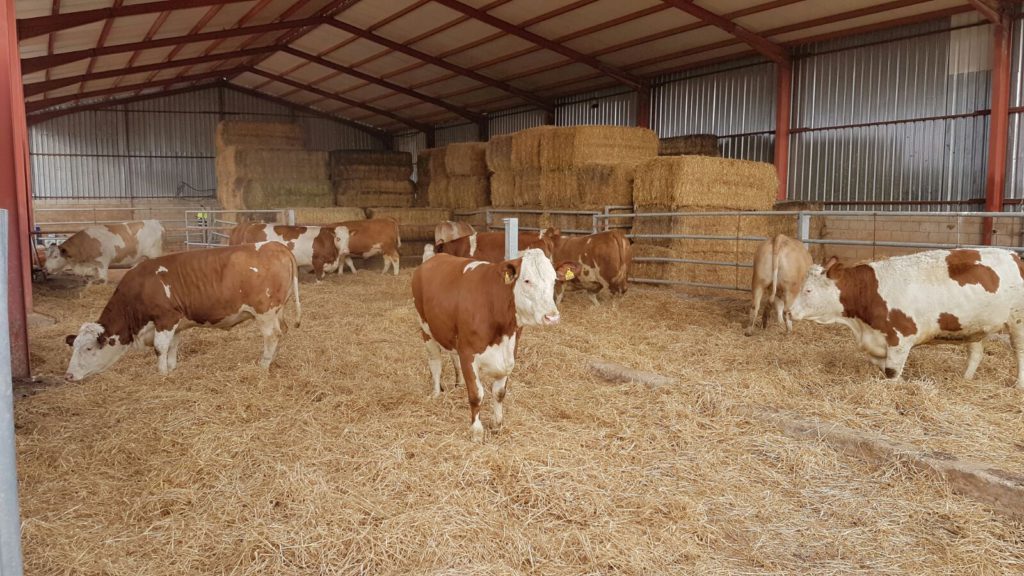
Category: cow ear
<point>70,339</point>
<point>830,263</point>
<point>568,270</point>
<point>510,271</point>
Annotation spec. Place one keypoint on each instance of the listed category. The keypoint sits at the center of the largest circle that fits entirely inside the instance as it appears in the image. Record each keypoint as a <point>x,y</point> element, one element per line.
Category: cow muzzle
<point>552,319</point>
<point>69,377</point>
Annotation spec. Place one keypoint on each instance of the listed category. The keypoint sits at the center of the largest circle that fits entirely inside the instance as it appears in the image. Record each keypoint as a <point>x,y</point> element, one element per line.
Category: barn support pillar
<point>431,137</point>
<point>783,103</point>
<point>14,191</point>
<point>999,121</point>
<point>483,131</point>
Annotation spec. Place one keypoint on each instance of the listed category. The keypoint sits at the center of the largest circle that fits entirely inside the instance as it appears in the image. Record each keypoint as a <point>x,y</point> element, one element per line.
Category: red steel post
<point>783,93</point>
<point>999,122</point>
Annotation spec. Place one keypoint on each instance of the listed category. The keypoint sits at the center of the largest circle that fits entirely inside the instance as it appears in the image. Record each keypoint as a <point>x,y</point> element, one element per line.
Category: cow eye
<point>527,281</point>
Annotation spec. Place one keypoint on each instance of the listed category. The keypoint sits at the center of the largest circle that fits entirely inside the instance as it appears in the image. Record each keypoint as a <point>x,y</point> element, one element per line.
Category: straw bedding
<point>258,134</point>
<point>700,181</point>
<point>337,461</point>
<point>694,144</point>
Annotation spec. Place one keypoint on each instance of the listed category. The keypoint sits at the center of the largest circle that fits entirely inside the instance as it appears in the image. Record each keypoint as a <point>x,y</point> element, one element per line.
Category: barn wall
<point>514,120</point>
<point>1015,156</point>
<point>158,148</point>
<point>616,107</point>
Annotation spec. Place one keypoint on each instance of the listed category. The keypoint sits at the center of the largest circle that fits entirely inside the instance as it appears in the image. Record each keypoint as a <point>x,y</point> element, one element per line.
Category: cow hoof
<point>748,331</point>
<point>890,373</point>
<point>477,431</point>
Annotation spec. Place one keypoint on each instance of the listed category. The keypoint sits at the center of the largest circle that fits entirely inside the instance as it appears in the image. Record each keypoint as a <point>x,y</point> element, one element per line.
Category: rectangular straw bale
<point>259,134</point>
<point>590,186</point>
<point>370,158</point>
<point>413,223</point>
<point>369,186</point>
<point>693,144</point>
<point>371,171</point>
<point>412,249</point>
<point>573,146</point>
<point>437,162</point>
<point>244,194</point>
<point>503,189</point>
<point>526,147</point>
<point>271,164</point>
<point>527,191</point>
<point>329,215</point>
<point>700,181</point>
<point>370,199</point>
<point>499,153</point>
<point>467,192</point>
<point>466,159</point>
<point>423,178</point>
<point>693,222</point>
<point>437,194</point>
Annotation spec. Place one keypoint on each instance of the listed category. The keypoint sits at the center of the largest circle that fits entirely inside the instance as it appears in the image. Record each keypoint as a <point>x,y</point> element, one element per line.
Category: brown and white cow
<point>604,258</point>
<point>92,250</point>
<point>318,247</point>
<point>476,311</point>
<point>490,246</point>
<point>780,264</point>
<point>958,296</point>
<point>448,230</point>
<point>368,238</point>
<point>214,288</point>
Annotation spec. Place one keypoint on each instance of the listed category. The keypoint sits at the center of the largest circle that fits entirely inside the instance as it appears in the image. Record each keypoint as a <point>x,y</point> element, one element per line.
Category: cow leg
<point>101,274</point>
<point>896,359</point>
<point>976,350</point>
<point>351,266</point>
<point>593,298</point>
<point>162,341</point>
<point>459,378</point>
<point>498,390</point>
<point>1017,341</point>
<point>172,351</point>
<point>755,305</point>
<point>475,391</point>
<point>561,293</point>
<point>434,362</point>
<point>269,324</point>
<point>780,315</point>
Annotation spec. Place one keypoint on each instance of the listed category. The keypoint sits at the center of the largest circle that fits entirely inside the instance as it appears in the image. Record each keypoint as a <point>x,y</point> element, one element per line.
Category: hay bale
<point>466,192</point>
<point>701,181</point>
<point>691,145</point>
<point>731,276</point>
<point>423,178</point>
<point>526,147</point>
<point>370,199</point>
<point>503,188</point>
<point>370,172</point>
<point>573,146</point>
<point>271,164</point>
<point>259,134</point>
<point>590,186</point>
<point>436,158</point>
<point>329,215</point>
<point>372,165</point>
<point>694,222</point>
<point>437,193</point>
<point>527,187</point>
<point>370,186</point>
<point>242,194</point>
<point>466,159</point>
<point>414,224</point>
<point>499,153</point>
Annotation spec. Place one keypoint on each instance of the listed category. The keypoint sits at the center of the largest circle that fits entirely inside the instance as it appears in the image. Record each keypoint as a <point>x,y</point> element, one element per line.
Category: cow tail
<point>776,249</point>
<point>625,259</point>
<point>398,235</point>
<point>298,304</point>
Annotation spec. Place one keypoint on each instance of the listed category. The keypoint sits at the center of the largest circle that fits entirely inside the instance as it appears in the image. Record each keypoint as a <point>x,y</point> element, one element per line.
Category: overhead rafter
<point>992,10</point>
<point>46,86</point>
<point>30,65</point>
<point>42,104</point>
<point>465,113</point>
<point>766,47</point>
<point>50,114</point>
<point>440,63</point>
<point>32,27</point>
<point>372,130</point>
<point>348,101</point>
<point>606,69</point>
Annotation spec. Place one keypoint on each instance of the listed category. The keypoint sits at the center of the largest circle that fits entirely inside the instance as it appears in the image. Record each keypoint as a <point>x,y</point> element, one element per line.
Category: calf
<point>490,246</point>
<point>215,288</point>
<point>367,238</point>
<point>780,263</point>
<point>92,250</point>
<point>604,259</point>
<point>318,247</point>
<point>958,296</point>
<point>448,231</point>
<point>476,311</point>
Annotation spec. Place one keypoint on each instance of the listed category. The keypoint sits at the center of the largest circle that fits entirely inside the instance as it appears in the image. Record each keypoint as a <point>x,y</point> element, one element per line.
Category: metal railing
<point>211,228</point>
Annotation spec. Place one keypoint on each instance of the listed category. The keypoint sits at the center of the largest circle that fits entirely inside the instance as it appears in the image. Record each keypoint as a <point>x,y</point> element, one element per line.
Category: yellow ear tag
<point>569,275</point>
<point>508,278</point>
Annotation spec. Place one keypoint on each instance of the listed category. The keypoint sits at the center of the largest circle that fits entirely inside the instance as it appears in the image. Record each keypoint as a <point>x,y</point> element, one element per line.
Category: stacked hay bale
<point>458,176</point>
<point>415,226</point>
<point>365,178</point>
<point>263,165</point>
<point>691,145</point>
<point>315,216</point>
<point>700,184</point>
<point>422,199</point>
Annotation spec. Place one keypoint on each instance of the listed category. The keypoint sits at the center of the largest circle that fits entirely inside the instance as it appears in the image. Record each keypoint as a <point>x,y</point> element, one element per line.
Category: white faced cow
<point>780,264</point>
<point>92,250</point>
<point>216,288</point>
<point>957,296</point>
<point>318,247</point>
<point>476,311</point>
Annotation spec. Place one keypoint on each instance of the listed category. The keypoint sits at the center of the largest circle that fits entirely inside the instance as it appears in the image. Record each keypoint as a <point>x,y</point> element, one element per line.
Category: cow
<point>215,288</point>
<point>604,258</point>
<point>476,311</point>
<point>490,246</point>
<point>958,296</point>
<point>367,238</point>
<point>447,231</point>
<point>318,247</point>
<point>92,250</point>
<point>781,264</point>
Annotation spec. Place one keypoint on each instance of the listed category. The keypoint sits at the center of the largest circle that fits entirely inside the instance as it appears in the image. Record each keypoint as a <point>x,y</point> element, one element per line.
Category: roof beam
<point>769,49</point>
<point>32,27</point>
<point>992,10</point>
<point>467,114</point>
<point>441,63</point>
<point>41,87</point>
<point>44,116</point>
<point>606,69</point>
<point>348,101</point>
<point>41,104</point>
<point>29,65</point>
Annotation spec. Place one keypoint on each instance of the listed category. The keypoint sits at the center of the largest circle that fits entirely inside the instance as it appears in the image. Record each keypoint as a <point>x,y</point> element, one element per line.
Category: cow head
<point>533,279</point>
<point>93,351</point>
<point>818,299</point>
<point>341,236</point>
<point>56,258</point>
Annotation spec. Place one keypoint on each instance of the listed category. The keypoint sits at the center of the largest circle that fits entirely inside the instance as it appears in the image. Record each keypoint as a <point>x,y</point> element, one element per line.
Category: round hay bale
<point>701,181</point>
<point>691,145</point>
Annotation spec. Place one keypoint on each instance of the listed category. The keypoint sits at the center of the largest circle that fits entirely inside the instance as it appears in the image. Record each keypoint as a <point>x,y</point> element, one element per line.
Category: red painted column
<point>783,103</point>
<point>14,191</point>
<point>643,108</point>
<point>999,122</point>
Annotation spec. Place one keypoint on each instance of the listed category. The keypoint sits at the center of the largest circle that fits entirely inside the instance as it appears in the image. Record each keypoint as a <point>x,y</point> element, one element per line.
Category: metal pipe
<point>511,237</point>
<point>10,518</point>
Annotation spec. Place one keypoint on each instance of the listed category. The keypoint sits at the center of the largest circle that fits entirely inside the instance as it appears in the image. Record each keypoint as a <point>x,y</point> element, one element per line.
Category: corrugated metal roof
<point>489,65</point>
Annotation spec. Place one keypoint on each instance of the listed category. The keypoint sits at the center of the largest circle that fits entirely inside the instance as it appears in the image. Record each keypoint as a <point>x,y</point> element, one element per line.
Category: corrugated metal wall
<point>412,143</point>
<point>162,147</point>
<point>613,107</point>
<point>514,120</point>
<point>454,133</point>
<point>736,102</point>
<point>1015,156</point>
